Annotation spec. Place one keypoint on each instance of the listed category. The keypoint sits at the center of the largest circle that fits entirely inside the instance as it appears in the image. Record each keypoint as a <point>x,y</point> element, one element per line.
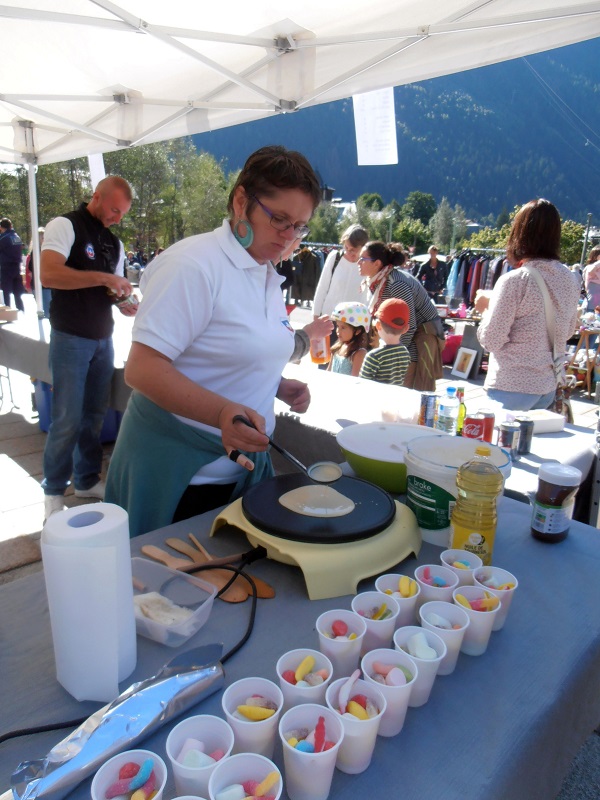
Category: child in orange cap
<point>388,362</point>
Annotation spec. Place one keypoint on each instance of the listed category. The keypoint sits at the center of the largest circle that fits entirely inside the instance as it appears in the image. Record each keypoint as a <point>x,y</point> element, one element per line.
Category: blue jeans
<point>81,375</point>
<point>521,401</point>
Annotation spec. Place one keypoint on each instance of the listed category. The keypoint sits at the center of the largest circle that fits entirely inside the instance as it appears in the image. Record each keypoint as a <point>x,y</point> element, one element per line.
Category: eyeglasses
<point>281,223</point>
<point>364,258</point>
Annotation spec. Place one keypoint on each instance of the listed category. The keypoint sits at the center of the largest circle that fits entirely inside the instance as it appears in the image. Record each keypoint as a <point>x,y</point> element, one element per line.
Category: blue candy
<point>305,747</point>
<point>142,776</point>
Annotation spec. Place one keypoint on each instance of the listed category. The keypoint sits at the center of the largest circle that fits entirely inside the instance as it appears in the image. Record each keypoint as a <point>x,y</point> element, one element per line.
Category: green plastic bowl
<point>376,451</point>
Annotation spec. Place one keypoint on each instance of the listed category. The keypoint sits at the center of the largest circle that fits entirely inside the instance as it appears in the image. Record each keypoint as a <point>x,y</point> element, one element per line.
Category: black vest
<point>87,312</point>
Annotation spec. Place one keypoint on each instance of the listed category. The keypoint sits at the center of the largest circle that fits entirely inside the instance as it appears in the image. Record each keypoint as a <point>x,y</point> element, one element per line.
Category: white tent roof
<point>86,76</point>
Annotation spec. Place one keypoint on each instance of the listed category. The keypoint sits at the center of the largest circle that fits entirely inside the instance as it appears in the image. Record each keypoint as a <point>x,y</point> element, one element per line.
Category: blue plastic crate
<point>43,400</point>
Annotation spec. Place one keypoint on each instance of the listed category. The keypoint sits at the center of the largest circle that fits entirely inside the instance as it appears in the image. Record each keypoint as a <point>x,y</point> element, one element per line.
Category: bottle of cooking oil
<point>474,517</point>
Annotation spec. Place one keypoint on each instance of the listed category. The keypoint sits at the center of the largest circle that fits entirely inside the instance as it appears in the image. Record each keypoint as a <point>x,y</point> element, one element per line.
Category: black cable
<point>247,558</point>
<point>74,723</point>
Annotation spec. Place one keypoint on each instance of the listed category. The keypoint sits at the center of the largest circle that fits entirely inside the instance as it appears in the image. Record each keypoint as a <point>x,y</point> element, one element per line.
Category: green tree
<point>147,170</point>
<point>441,225</point>
<point>503,218</point>
<point>571,241</point>
<point>412,233</point>
<point>371,200</point>
<point>419,205</point>
<point>324,225</point>
<point>205,188</point>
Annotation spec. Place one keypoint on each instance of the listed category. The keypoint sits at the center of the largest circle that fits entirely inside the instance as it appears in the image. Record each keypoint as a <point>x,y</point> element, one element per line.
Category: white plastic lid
<point>560,474</point>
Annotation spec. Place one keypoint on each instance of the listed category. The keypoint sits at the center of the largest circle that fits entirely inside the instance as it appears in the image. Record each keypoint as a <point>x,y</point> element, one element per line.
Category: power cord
<point>248,558</point>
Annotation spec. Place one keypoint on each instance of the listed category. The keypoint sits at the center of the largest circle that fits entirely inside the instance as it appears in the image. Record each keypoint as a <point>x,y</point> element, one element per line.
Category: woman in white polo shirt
<point>210,341</point>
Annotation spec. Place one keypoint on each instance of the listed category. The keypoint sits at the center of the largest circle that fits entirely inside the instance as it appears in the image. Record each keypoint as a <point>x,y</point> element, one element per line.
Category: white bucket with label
<point>431,466</point>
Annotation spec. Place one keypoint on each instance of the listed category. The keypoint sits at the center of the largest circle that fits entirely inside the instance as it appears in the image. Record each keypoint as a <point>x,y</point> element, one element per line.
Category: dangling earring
<point>247,239</point>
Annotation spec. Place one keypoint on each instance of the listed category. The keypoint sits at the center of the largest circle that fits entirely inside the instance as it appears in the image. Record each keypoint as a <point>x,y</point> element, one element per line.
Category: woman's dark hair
<point>389,254</point>
<point>594,254</point>
<point>272,168</point>
<point>535,232</point>
<point>360,340</point>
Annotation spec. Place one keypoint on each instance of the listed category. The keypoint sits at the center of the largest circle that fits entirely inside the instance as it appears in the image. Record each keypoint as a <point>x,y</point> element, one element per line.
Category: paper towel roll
<point>87,567</point>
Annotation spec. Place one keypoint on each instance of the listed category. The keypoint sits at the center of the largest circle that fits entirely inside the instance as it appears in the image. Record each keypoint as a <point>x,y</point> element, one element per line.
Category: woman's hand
<point>295,393</point>
<point>319,328</point>
<point>236,435</point>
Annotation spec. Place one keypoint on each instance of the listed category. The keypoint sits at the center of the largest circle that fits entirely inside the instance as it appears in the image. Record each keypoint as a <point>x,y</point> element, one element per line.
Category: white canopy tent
<point>90,76</point>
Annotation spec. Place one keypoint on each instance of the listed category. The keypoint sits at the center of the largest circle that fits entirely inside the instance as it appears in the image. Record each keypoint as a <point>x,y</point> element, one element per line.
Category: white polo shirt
<point>220,318</point>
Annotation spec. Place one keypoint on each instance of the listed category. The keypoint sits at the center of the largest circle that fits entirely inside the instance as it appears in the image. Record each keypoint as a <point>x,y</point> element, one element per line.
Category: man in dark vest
<point>11,255</point>
<point>83,263</point>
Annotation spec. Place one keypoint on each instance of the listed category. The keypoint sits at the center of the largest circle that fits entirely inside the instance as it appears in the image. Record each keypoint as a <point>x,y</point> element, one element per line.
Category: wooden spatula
<point>218,577</point>
<point>200,555</point>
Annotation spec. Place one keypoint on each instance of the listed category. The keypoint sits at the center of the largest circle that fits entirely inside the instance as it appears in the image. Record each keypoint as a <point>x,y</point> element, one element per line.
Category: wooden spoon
<point>263,589</point>
<point>202,556</point>
<point>218,577</point>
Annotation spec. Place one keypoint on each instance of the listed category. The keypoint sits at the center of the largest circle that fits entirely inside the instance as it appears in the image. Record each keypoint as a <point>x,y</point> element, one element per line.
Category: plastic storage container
<point>181,589</point>
<point>432,463</point>
<point>474,517</point>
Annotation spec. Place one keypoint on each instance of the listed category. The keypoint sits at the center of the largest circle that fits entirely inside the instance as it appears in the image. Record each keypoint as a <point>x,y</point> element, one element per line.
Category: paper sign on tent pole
<point>97,171</point>
<point>375,125</point>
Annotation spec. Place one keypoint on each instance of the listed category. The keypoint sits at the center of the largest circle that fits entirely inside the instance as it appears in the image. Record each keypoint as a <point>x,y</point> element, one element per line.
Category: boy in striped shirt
<point>388,362</point>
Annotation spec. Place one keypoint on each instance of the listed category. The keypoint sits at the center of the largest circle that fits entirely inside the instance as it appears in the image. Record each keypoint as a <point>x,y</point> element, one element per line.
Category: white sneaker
<point>52,504</point>
<point>96,491</point>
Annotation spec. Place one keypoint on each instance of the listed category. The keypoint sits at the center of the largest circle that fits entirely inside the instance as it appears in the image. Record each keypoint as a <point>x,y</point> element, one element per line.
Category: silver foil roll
<point>142,708</point>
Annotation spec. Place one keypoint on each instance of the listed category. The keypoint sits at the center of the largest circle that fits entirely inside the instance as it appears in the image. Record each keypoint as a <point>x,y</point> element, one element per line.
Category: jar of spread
<point>554,501</point>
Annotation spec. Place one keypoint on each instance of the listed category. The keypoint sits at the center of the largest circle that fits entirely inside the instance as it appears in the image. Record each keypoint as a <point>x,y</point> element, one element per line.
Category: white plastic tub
<point>431,465</point>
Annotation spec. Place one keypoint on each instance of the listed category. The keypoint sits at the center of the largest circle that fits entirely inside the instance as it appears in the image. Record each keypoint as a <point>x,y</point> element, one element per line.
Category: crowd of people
<point>212,335</point>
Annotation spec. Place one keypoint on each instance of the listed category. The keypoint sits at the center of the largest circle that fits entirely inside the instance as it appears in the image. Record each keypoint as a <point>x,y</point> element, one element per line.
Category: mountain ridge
<point>487,138</point>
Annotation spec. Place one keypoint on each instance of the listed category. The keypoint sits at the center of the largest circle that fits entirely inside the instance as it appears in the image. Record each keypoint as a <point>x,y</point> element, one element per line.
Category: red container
<point>488,428</point>
<point>473,426</point>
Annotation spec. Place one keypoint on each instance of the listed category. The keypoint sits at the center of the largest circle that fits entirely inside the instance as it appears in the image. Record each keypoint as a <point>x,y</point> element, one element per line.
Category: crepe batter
<point>317,501</point>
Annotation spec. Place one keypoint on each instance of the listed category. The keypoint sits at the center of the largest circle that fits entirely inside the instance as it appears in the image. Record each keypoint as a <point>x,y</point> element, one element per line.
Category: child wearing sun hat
<point>352,322</point>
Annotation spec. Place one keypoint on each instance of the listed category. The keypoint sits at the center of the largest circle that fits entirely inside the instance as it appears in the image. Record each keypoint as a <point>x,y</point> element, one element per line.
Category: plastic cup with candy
<point>436,583</point>
<point>481,607</point>
<point>250,773</point>
<point>137,774</point>
<point>450,622</point>
<point>427,650</point>
<point>194,747</point>
<point>395,673</point>
<point>311,736</point>
<point>405,591</point>
<point>500,583</point>
<point>361,706</point>
<point>340,638</point>
<point>462,563</point>
<point>379,611</point>
<point>252,707</point>
<point>304,676</point>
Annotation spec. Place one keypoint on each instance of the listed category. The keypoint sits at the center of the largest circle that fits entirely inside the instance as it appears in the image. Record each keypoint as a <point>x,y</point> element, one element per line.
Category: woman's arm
<point>494,330</point>
<point>154,375</point>
<point>323,285</point>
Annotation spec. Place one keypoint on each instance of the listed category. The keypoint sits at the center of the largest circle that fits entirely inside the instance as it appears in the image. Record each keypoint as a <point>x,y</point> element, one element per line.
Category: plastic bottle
<point>474,517</point>
<point>462,409</point>
<point>320,350</point>
<point>447,415</point>
<point>553,504</point>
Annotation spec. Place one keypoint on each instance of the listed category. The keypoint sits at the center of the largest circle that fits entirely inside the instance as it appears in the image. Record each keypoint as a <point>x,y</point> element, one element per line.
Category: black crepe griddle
<point>374,511</point>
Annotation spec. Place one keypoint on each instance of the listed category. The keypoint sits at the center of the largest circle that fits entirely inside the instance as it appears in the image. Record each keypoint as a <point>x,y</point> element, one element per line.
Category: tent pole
<point>35,237</point>
<point>585,240</point>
